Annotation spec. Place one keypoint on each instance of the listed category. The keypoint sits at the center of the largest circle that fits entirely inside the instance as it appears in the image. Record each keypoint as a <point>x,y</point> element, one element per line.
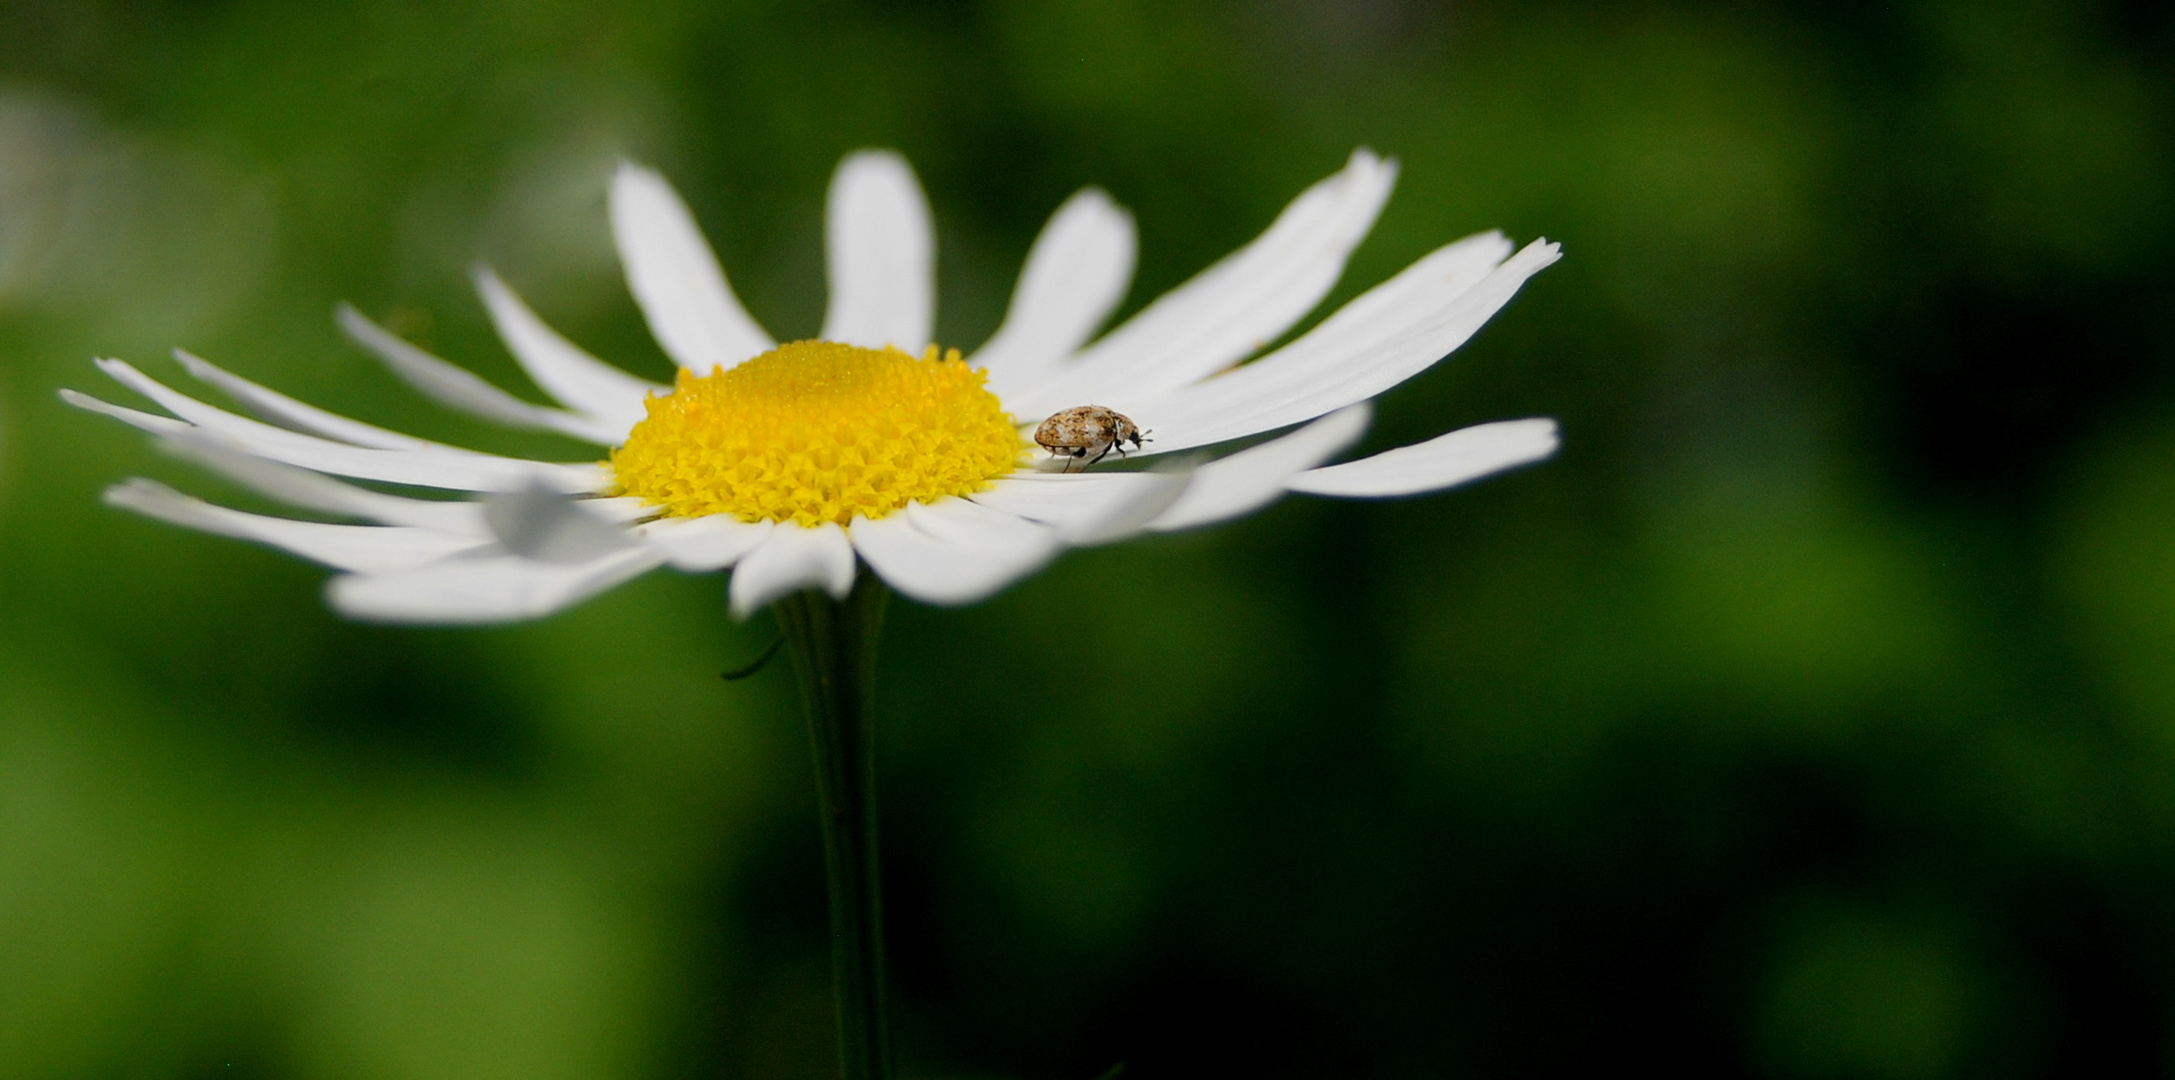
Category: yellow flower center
<point>815,431</point>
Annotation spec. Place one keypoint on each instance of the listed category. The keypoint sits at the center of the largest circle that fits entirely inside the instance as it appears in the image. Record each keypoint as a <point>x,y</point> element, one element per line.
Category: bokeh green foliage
<point>1812,715</point>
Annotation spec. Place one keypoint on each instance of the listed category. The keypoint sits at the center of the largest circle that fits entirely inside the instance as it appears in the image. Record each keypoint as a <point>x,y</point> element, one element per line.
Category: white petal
<point>788,560</point>
<point>435,466</point>
<point>1254,477</point>
<point>1076,273</point>
<point>704,543</point>
<point>1231,309</point>
<point>568,373</point>
<point>1380,339</point>
<point>967,522</point>
<point>300,487</point>
<point>270,403</point>
<point>1443,461</point>
<point>142,421</point>
<point>361,548</point>
<point>460,389</point>
<point>882,253</point>
<point>544,525</point>
<point>675,276</point>
<point>937,569</point>
<point>482,589</point>
<point>1086,508</point>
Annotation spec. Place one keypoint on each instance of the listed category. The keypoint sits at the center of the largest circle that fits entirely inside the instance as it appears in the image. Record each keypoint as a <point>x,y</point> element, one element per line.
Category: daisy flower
<point>796,465</point>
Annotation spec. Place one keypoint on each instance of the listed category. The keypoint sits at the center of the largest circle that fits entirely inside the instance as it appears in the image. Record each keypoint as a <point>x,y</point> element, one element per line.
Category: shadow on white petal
<point>545,525</point>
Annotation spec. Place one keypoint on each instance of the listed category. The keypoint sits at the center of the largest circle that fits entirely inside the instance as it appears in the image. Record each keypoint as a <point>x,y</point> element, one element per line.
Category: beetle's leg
<point>1101,456</point>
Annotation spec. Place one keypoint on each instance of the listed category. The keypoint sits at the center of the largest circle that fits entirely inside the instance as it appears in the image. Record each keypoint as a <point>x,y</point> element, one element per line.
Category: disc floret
<point>817,431</point>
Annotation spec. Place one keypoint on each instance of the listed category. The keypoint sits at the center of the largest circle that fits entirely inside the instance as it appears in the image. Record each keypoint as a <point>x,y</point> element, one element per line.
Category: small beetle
<point>1088,429</point>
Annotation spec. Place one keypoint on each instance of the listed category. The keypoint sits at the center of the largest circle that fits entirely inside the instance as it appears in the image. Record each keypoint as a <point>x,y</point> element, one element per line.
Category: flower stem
<point>833,644</point>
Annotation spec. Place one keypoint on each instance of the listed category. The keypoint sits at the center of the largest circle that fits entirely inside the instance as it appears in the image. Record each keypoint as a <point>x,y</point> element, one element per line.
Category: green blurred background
<point>1811,715</point>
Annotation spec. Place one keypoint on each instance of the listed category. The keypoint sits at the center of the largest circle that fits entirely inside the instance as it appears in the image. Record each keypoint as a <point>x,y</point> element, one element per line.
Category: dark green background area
<point>1811,715</point>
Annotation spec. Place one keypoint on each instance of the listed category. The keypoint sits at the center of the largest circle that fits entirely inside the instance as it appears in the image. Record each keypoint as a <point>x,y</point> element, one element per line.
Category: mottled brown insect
<point>1088,429</point>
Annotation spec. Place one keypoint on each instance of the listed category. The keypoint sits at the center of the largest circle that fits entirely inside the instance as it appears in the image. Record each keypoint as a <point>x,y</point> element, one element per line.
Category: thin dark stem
<point>833,644</point>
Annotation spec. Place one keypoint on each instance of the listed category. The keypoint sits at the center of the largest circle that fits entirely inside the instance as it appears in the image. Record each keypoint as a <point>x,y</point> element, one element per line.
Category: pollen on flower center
<point>815,431</point>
